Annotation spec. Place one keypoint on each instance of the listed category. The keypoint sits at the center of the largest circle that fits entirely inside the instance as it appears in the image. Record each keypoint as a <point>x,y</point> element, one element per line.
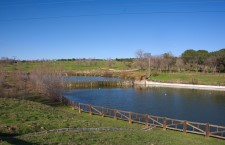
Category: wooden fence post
<point>79,109</point>
<point>90,107</point>
<point>102,111</point>
<point>146,119</point>
<point>185,126</point>
<point>164,123</point>
<point>115,114</point>
<point>130,117</point>
<point>75,105</point>
<point>207,130</point>
<point>72,105</point>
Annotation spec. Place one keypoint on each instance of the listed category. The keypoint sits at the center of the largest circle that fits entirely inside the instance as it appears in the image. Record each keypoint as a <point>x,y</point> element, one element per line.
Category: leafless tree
<point>212,63</point>
<point>109,62</point>
<point>48,81</point>
<point>155,62</point>
<point>90,62</point>
<point>168,60</point>
<point>140,60</point>
<point>179,64</point>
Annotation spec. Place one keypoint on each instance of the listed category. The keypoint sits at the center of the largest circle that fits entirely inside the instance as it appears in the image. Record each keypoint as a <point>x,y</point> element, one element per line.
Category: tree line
<point>190,60</point>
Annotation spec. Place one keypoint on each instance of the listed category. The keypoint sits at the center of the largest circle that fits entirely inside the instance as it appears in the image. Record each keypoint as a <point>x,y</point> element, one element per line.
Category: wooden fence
<point>205,129</point>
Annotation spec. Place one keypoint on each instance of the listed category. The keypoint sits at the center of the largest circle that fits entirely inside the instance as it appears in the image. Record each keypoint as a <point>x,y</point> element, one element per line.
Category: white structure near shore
<point>175,85</point>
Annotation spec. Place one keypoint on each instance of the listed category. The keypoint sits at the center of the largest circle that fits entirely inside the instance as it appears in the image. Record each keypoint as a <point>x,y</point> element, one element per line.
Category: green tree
<point>188,56</point>
<point>201,56</point>
<point>220,55</point>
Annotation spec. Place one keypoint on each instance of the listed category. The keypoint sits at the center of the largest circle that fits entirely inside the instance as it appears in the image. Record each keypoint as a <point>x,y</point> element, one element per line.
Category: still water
<point>185,104</point>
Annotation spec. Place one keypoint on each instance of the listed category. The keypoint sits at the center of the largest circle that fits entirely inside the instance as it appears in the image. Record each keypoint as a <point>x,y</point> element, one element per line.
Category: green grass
<point>75,65</point>
<point>135,137</point>
<point>191,78</point>
<point>19,117</point>
<point>100,66</point>
<point>65,65</point>
<point>27,116</point>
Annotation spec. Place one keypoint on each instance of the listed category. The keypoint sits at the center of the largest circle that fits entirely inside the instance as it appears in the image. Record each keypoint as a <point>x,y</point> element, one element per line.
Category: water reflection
<point>186,104</point>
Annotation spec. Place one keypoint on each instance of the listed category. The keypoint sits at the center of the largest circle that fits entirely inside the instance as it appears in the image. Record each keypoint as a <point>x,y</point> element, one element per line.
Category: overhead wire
<point>43,3</point>
<point>111,14</point>
<point>114,14</point>
<point>139,2</point>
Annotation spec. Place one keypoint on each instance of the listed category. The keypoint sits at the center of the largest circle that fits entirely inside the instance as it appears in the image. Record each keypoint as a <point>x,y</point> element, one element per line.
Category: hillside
<point>18,118</point>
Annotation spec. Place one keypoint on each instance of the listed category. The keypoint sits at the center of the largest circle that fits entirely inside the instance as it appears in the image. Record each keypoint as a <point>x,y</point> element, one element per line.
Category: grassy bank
<point>191,78</point>
<point>20,117</point>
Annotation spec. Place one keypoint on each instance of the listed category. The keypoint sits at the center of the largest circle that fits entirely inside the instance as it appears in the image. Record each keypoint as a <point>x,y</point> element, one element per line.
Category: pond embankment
<point>145,83</point>
<point>99,84</point>
<point>176,85</point>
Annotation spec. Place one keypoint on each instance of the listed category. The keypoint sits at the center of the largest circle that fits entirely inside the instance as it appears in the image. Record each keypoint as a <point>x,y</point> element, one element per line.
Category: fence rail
<point>206,129</point>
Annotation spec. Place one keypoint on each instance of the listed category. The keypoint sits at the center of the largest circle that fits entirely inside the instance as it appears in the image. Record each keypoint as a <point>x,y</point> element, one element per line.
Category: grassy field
<point>100,67</point>
<point>66,65</point>
<point>20,117</point>
<point>191,78</point>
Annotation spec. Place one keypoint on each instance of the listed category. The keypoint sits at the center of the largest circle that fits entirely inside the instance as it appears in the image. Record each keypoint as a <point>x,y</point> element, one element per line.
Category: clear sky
<point>54,29</point>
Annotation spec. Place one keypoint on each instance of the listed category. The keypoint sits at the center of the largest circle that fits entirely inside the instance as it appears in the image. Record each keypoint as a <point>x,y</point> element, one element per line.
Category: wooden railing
<point>206,129</point>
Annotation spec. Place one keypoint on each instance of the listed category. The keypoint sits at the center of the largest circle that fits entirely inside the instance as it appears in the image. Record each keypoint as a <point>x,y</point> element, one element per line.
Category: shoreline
<point>176,85</point>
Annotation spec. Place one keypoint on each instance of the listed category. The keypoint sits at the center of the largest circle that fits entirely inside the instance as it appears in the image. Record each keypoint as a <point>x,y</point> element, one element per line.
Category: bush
<point>124,75</point>
<point>154,74</point>
<point>107,74</point>
<point>140,76</point>
<point>194,81</point>
<point>49,82</point>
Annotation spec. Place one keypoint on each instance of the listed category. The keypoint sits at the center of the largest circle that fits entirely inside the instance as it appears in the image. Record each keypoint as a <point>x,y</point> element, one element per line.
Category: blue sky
<point>54,29</point>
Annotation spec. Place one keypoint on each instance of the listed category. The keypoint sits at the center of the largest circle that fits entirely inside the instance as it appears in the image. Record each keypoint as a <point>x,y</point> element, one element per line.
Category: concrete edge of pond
<point>176,85</point>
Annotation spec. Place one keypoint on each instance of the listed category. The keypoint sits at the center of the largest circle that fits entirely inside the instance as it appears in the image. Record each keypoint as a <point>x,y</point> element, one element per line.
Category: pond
<point>185,104</point>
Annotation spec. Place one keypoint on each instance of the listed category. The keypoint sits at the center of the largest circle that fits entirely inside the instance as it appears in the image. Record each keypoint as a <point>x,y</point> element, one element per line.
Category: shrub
<point>140,76</point>
<point>107,74</point>
<point>49,82</point>
<point>194,81</point>
<point>124,74</point>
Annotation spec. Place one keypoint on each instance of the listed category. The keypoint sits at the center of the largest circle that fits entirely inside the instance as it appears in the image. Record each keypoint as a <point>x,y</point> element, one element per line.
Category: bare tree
<point>168,60</point>
<point>49,82</point>
<point>90,62</point>
<point>179,64</point>
<point>155,62</point>
<point>212,63</point>
<point>140,60</point>
<point>109,62</point>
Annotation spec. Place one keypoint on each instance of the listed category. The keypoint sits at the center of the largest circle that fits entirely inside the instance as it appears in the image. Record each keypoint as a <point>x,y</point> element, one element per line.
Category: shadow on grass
<point>11,138</point>
<point>40,99</point>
